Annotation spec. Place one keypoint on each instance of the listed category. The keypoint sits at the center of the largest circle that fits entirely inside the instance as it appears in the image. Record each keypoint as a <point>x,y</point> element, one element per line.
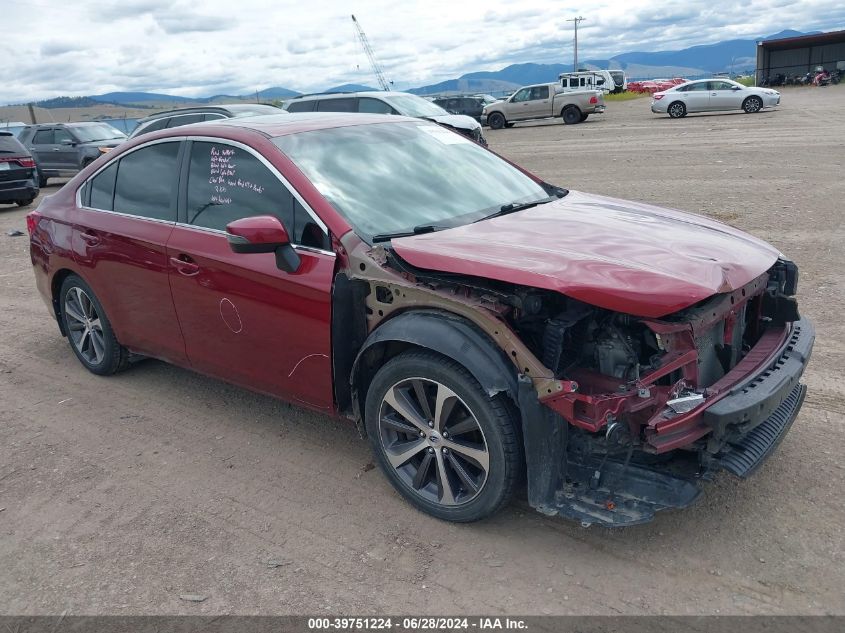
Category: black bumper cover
<point>751,402</point>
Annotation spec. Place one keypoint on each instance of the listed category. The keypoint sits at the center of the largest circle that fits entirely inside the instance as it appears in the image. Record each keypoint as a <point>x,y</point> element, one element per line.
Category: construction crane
<point>371,56</point>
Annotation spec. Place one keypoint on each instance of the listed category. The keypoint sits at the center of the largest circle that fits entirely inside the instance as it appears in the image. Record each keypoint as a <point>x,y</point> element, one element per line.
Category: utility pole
<point>576,21</point>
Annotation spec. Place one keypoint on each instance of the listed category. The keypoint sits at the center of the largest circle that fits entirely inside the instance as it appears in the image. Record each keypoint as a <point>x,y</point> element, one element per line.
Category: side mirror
<point>263,234</point>
<point>737,88</point>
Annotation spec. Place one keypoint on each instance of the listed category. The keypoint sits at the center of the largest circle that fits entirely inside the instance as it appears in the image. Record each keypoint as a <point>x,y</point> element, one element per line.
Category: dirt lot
<point>120,494</point>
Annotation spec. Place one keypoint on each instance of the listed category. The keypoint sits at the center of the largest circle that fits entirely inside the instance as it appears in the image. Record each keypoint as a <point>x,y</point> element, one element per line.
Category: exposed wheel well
<point>441,333</point>
<point>55,287</point>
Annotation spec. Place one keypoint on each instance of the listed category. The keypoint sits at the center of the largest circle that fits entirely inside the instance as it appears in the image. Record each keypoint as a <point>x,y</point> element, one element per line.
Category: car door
<point>724,96</point>
<point>243,319</point>
<point>44,149</point>
<point>65,150</point>
<point>696,96</point>
<point>519,106</point>
<point>126,213</point>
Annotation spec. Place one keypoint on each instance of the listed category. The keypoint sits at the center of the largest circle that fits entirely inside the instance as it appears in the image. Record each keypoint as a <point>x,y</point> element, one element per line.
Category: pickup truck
<point>543,101</point>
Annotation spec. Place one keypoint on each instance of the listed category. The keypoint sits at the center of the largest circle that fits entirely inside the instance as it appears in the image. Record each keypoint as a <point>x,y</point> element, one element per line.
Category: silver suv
<point>376,102</point>
<point>62,149</point>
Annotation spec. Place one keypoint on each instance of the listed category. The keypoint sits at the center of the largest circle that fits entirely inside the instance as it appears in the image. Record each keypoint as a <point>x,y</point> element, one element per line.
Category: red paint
<point>261,229</point>
<point>623,256</point>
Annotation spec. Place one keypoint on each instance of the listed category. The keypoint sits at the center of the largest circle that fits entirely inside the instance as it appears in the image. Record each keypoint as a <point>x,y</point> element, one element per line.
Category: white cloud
<point>201,48</point>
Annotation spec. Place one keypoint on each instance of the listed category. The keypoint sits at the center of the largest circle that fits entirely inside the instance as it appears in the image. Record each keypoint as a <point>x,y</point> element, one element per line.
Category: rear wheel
<point>443,443</point>
<point>42,180</point>
<point>496,121</point>
<point>88,329</point>
<point>752,104</point>
<point>25,203</point>
<point>571,115</point>
<point>677,110</point>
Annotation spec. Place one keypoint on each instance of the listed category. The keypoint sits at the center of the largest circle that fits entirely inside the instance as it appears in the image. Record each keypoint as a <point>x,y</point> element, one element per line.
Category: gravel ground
<point>119,495</point>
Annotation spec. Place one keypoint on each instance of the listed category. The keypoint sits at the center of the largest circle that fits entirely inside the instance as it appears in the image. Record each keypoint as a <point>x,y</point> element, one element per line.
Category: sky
<point>204,47</point>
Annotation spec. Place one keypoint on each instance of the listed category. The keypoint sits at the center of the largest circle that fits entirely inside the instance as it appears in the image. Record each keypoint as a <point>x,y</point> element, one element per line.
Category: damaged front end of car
<point>622,416</point>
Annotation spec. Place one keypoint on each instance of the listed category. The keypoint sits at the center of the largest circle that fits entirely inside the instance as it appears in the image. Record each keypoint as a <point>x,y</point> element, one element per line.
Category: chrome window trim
<point>78,197</point>
<point>298,247</point>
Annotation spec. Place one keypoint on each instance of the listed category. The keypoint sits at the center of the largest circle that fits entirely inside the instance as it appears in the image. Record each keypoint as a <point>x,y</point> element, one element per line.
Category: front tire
<point>571,115</point>
<point>497,121</point>
<point>677,110</point>
<point>442,442</point>
<point>752,104</point>
<point>89,331</point>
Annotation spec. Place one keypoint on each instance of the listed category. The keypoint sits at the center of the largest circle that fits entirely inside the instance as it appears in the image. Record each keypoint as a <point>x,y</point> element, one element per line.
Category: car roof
<point>363,93</point>
<point>273,125</point>
<point>223,108</point>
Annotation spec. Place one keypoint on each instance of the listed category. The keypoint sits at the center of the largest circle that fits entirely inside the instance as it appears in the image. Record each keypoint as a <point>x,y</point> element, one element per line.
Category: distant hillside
<point>688,62</point>
<point>276,92</point>
<point>351,88</point>
<point>68,102</point>
<point>134,97</point>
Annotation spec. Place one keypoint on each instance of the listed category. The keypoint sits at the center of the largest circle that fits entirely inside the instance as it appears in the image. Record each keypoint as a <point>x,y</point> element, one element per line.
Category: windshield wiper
<point>417,230</point>
<point>513,207</point>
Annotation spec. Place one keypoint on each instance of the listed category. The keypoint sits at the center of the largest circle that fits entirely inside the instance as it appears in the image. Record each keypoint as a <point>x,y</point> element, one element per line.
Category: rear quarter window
<point>10,145</point>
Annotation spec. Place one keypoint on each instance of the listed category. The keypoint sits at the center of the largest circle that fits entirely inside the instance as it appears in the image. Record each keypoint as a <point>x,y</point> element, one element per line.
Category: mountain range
<point>731,55</point>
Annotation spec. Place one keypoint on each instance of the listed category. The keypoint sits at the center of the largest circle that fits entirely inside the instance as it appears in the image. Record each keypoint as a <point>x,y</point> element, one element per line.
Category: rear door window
<point>302,106</point>
<point>43,137</point>
<point>337,105</point>
<point>146,182</point>
<point>185,119</point>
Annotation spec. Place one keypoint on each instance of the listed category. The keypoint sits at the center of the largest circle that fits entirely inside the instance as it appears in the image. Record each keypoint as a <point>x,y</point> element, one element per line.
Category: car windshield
<point>412,105</point>
<point>98,132</point>
<point>407,175</point>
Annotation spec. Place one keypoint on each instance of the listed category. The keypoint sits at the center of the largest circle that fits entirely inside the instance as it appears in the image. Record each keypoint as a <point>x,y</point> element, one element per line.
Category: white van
<point>587,80</point>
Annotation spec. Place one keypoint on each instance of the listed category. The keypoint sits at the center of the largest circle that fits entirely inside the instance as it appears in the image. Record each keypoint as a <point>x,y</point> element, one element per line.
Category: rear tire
<point>25,203</point>
<point>496,121</point>
<point>752,104</point>
<point>677,110</point>
<point>571,115</point>
<point>88,330</point>
<point>469,441</point>
<point>42,181</point>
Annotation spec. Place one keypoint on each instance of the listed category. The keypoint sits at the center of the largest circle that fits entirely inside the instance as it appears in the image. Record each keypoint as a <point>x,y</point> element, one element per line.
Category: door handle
<point>55,149</point>
<point>185,265</point>
<point>89,238</point>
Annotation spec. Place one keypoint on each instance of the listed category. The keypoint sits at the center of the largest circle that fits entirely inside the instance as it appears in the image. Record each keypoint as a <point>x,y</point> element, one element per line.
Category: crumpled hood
<point>615,254</point>
<point>459,121</point>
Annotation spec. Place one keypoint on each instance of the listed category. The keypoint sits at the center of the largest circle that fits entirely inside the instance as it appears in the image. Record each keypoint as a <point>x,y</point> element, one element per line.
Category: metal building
<point>799,55</point>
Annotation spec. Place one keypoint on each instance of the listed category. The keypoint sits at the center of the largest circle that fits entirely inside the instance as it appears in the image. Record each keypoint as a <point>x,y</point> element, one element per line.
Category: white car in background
<point>712,95</point>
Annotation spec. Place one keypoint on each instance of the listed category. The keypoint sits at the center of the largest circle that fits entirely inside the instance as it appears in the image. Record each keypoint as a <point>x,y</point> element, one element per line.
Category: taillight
<point>657,97</point>
<point>32,222</point>
<point>594,99</point>
<point>23,161</point>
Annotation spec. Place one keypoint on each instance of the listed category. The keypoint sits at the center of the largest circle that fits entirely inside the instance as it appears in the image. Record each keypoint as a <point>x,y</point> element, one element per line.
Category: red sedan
<point>479,324</point>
